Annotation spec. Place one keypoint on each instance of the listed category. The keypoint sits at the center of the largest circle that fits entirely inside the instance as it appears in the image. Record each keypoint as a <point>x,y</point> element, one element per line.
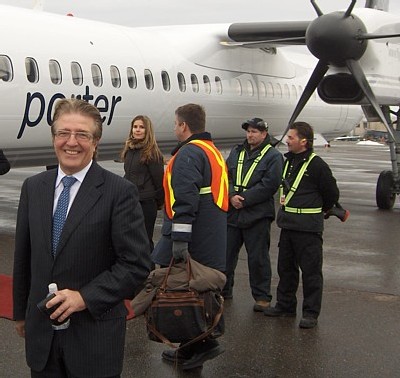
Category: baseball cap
<point>257,123</point>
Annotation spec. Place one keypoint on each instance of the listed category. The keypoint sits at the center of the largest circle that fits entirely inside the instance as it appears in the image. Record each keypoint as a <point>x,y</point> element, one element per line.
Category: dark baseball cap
<point>257,123</point>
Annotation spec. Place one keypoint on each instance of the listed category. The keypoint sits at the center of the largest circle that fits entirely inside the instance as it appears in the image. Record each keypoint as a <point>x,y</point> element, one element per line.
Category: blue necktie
<point>61,211</point>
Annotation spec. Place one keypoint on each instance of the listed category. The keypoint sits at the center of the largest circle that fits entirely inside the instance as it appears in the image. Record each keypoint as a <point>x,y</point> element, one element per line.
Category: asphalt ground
<point>358,330</point>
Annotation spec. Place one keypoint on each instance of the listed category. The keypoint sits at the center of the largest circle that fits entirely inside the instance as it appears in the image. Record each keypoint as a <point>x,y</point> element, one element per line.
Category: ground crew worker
<point>308,190</point>
<point>196,201</point>
<point>254,172</point>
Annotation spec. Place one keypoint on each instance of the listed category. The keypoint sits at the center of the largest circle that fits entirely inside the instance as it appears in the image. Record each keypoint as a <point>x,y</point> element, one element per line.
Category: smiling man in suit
<point>97,256</point>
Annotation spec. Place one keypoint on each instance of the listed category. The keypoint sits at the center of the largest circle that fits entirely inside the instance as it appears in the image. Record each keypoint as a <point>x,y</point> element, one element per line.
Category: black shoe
<point>178,357</point>
<point>198,359</point>
<point>308,322</point>
<point>277,312</point>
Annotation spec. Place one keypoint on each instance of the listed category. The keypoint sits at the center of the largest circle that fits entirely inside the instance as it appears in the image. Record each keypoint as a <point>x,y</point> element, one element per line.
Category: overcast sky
<point>164,12</point>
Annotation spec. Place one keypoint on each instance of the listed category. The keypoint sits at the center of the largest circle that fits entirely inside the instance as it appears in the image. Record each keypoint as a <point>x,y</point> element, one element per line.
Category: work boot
<point>261,305</point>
<point>176,356</point>
<point>277,312</point>
<point>308,322</point>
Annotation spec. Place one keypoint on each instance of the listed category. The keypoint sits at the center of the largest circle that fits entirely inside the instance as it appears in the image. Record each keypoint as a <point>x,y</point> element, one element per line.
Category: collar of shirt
<point>79,175</point>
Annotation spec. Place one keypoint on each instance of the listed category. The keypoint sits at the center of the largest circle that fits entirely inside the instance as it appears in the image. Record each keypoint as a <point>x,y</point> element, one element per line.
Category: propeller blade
<point>314,4</point>
<point>377,36</point>
<point>350,9</point>
<point>355,68</point>
<point>315,79</point>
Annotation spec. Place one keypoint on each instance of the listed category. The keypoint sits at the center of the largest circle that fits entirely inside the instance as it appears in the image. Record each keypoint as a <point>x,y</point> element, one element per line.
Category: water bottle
<point>56,325</point>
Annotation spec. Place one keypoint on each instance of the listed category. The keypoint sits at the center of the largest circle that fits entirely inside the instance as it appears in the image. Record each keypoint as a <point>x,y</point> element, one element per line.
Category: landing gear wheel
<point>385,196</point>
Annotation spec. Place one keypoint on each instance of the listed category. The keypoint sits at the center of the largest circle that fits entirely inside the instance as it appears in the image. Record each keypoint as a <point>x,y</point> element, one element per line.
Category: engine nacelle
<point>340,88</point>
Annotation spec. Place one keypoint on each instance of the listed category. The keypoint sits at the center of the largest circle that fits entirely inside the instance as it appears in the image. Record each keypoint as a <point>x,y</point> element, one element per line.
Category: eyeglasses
<point>79,135</point>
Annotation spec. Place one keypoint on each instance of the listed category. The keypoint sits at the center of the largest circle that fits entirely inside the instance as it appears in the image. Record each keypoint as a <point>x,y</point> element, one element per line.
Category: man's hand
<point>71,301</point>
<point>20,327</point>
<point>180,251</point>
<point>237,201</point>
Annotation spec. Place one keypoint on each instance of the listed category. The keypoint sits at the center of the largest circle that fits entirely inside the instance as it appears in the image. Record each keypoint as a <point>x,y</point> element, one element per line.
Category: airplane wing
<point>268,34</point>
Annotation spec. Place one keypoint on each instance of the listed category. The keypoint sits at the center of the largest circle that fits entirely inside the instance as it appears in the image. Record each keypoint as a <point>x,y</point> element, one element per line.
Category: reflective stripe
<point>238,188</point>
<point>181,227</point>
<point>293,189</point>
<point>302,211</point>
<point>219,179</point>
<point>205,190</point>
<point>241,185</point>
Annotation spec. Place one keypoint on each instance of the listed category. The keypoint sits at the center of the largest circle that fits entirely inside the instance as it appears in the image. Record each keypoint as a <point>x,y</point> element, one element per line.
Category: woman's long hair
<point>149,148</point>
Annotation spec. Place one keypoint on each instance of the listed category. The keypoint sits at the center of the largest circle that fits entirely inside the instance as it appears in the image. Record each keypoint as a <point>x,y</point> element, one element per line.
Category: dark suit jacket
<point>103,253</point>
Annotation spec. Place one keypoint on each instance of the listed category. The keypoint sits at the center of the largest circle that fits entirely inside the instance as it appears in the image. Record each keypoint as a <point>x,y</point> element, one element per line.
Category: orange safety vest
<point>219,178</point>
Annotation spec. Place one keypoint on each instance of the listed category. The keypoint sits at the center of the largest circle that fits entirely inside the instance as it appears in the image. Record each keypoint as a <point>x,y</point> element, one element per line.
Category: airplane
<point>358,52</point>
<point>152,70</point>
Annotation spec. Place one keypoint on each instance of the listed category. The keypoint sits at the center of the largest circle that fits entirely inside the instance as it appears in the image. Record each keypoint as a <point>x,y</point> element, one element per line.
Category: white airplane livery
<point>236,71</point>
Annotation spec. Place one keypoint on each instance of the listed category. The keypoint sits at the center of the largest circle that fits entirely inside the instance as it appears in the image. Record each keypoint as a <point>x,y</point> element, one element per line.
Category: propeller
<point>338,39</point>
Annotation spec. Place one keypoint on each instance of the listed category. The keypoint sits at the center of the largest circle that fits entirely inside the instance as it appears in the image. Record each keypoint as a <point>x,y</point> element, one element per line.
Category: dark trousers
<point>300,250</point>
<point>149,208</point>
<point>256,240</point>
<point>55,367</point>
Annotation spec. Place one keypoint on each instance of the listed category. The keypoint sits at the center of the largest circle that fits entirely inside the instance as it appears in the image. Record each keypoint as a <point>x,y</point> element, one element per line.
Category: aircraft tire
<point>385,197</point>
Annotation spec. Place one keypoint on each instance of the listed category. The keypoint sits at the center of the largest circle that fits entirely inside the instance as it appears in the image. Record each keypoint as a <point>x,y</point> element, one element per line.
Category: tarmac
<point>358,330</point>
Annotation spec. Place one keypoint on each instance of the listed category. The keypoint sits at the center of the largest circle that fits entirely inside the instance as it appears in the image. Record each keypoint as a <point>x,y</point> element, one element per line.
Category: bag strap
<point>209,331</point>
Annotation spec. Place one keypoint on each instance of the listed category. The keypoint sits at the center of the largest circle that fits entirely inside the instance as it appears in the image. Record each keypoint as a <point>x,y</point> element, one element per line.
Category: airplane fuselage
<point>129,71</point>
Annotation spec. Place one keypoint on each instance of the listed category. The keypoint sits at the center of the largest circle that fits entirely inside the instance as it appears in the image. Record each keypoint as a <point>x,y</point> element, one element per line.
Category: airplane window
<point>286,91</point>
<point>76,71</point>
<point>294,92</point>
<point>181,82</point>
<point>132,80</point>
<point>238,87</point>
<point>32,70</point>
<point>165,81</point>
<point>207,84</point>
<point>270,90</point>
<point>148,78</point>
<point>218,83</point>
<point>250,88</point>
<point>97,75</point>
<point>115,76</point>
<point>6,70</point>
<point>195,83</point>
<point>300,90</point>
<point>262,89</point>
<point>278,90</point>
<point>55,71</point>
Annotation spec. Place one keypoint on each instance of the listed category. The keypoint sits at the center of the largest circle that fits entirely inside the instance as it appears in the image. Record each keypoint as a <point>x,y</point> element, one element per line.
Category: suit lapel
<point>87,196</point>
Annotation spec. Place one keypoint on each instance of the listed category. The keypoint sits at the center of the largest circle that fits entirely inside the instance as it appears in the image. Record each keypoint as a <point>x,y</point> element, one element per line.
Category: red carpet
<point>6,302</point>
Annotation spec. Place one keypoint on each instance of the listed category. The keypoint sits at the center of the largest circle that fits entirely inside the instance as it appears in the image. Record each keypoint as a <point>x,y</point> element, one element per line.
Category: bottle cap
<point>53,288</point>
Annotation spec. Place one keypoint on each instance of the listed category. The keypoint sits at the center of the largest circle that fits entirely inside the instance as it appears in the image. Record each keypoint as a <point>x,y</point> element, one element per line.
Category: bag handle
<point>188,270</point>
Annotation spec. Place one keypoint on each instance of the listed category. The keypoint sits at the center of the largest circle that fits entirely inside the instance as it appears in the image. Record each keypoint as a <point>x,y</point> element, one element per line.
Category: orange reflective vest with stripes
<point>219,178</point>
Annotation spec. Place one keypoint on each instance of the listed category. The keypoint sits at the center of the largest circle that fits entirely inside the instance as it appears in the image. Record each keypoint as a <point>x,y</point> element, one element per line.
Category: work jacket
<point>197,219</point>
<point>317,189</point>
<point>259,192</point>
